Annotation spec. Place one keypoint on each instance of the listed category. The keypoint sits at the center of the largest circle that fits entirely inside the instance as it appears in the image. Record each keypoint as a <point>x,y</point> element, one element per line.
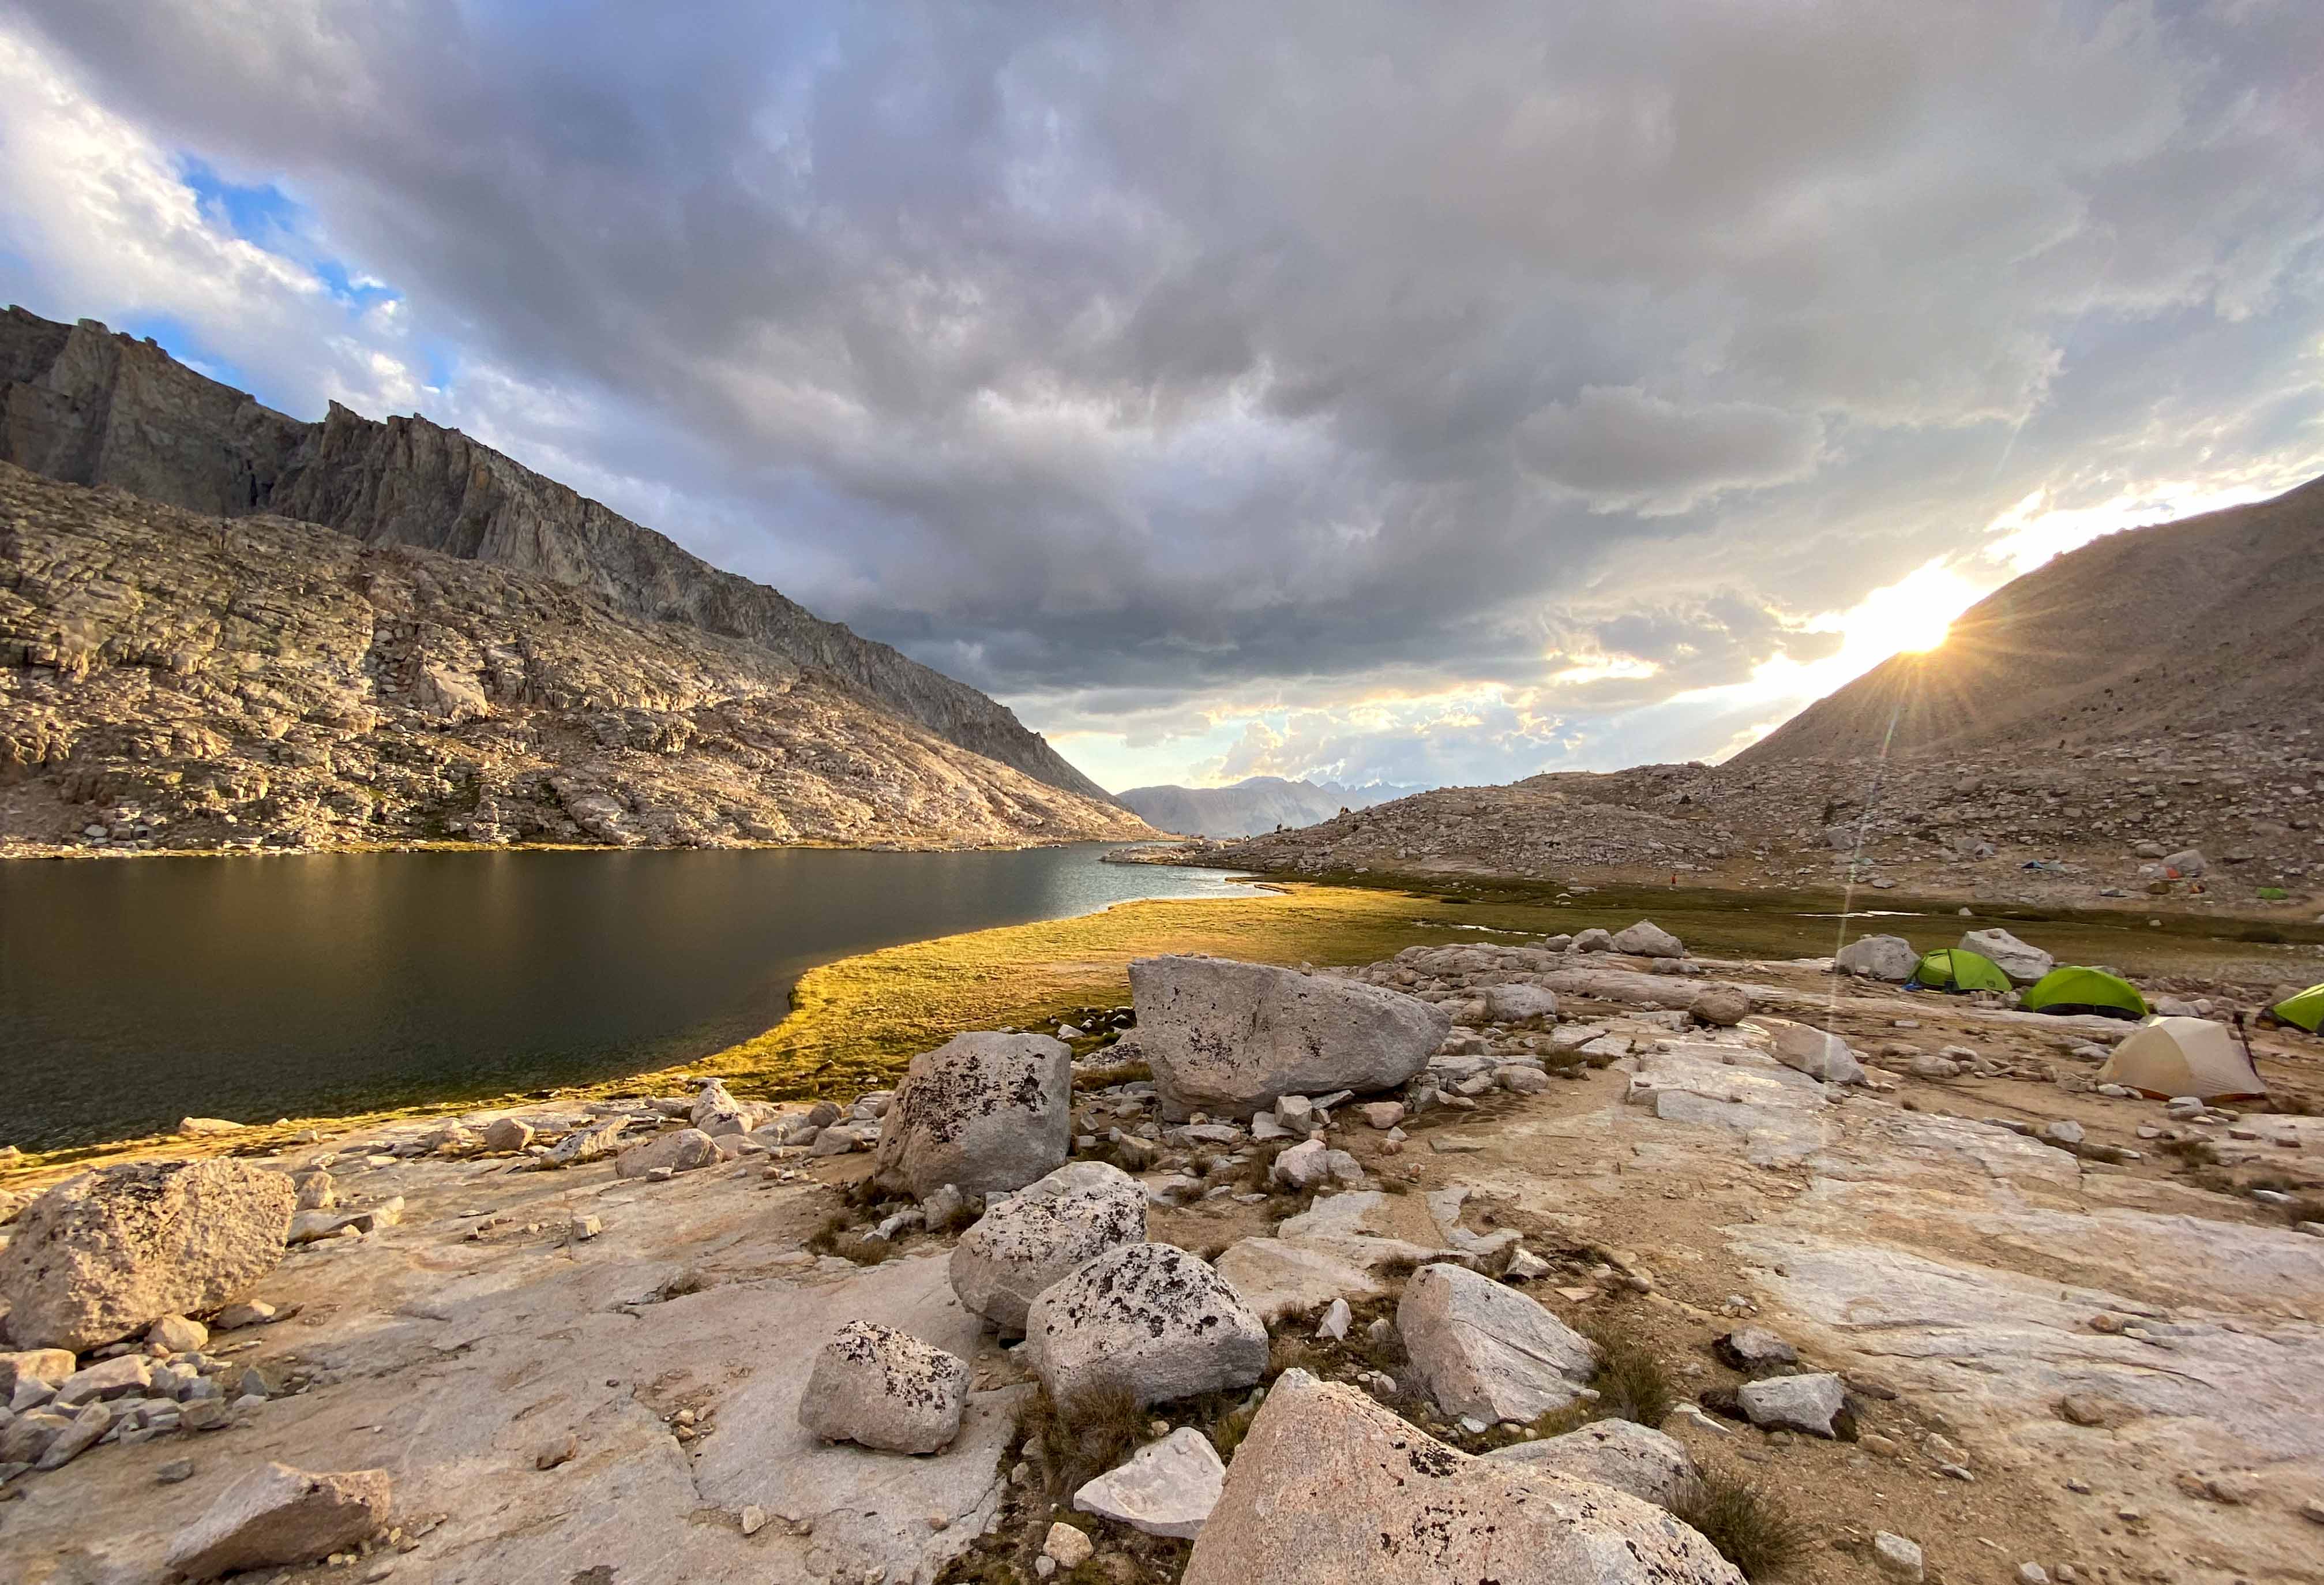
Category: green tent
<point>2086,991</point>
<point>1957,968</point>
<point>2304,1011</point>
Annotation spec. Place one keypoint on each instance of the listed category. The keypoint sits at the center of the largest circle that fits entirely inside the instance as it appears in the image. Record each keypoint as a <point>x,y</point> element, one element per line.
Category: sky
<point>1419,393</point>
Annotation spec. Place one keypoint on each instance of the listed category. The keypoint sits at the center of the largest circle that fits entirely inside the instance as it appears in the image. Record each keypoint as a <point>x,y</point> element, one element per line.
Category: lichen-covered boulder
<point>882,1389</point>
<point>1147,1319</point>
<point>106,1255</point>
<point>279,1514</point>
<point>1330,1488</point>
<point>1487,1350</point>
<point>987,1112</point>
<point>1028,1241</point>
<point>1230,1038</point>
<point>686,1150</point>
<point>1619,1453</point>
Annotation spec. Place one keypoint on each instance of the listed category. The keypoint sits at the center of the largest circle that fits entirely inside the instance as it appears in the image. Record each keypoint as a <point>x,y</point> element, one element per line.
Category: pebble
<point>754,1519</point>
<point>2032,1574</point>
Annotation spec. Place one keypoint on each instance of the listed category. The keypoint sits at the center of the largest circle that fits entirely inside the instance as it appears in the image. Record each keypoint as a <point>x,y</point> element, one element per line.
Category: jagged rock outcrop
<point>86,406</point>
<point>173,681</point>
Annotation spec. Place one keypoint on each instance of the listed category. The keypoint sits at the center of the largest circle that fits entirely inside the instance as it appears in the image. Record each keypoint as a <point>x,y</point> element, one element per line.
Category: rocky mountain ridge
<point>2212,622</point>
<point>2089,826</point>
<point>173,681</point>
<point>1254,804</point>
<point>86,406</point>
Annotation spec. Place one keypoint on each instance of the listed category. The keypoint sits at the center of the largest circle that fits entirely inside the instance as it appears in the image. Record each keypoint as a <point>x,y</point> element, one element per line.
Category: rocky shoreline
<point>1600,1233</point>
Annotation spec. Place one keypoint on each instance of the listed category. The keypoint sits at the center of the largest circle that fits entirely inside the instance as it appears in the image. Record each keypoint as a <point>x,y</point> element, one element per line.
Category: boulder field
<point>1591,1276</point>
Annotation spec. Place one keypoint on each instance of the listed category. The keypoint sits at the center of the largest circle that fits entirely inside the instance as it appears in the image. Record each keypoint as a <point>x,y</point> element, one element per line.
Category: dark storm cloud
<point>1205,353</point>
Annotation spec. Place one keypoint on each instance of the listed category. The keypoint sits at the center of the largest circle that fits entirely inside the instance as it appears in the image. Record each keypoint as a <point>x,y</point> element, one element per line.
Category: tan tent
<point>2184,1056</point>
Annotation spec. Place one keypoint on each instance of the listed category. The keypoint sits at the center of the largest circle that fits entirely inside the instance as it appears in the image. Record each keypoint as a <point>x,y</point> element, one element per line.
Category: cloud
<point>1624,449</point>
<point>1245,363</point>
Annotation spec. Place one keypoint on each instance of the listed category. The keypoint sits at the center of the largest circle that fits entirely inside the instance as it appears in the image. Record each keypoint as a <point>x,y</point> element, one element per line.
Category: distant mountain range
<point>1260,804</point>
<point>2211,622</point>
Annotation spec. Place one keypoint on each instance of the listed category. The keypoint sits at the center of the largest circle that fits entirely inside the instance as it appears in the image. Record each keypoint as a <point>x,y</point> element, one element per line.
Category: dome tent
<point>1958,970</point>
<point>2184,1056</point>
<point>2304,1011</point>
<point>2086,991</point>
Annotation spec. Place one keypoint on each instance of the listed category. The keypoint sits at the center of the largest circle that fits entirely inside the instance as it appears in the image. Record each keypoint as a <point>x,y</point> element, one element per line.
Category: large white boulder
<point>882,1389</point>
<point>1487,1350</point>
<point>279,1514</point>
<point>1619,1453</point>
<point>1147,1319</point>
<point>1228,1038</point>
<point>1028,1241</point>
<point>107,1254</point>
<point>1889,957</point>
<point>1647,939</point>
<point>716,1112</point>
<point>2013,958</point>
<point>985,1112</point>
<point>1168,1488</point>
<point>1330,1488</point>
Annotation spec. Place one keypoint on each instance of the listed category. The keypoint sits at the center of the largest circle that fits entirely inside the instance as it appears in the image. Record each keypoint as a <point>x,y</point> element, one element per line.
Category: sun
<point>1910,616</point>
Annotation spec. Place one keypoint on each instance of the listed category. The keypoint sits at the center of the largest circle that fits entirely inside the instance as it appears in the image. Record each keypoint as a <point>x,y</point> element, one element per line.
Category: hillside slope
<point>86,406</point>
<point>183,681</point>
<point>1255,804</point>
<point>2213,622</point>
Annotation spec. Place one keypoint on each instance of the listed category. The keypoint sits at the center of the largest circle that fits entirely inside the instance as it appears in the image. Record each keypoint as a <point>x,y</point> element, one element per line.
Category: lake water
<point>137,992</point>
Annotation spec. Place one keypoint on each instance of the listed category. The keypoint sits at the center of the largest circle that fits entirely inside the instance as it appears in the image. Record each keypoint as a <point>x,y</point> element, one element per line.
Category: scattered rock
<point>1065,1546</point>
<point>1890,958</point>
<point>1619,1453</point>
<point>1816,1052</point>
<point>104,1254</point>
<point>687,1150</point>
<point>1228,1038</point>
<point>1330,1488</point>
<point>1752,1348</point>
<point>279,1514</point>
<point>1384,1115</point>
<point>1150,1319</point>
<point>1485,1350</point>
<point>1811,1404</point>
<point>1720,1005</point>
<point>507,1134</point>
<point>207,1127</point>
<point>2023,964</point>
<point>882,1389</point>
<point>1031,1239</point>
<point>1519,1003</point>
<point>985,1112</point>
<point>1168,1488</point>
<point>1897,1558</point>
<point>1647,939</point>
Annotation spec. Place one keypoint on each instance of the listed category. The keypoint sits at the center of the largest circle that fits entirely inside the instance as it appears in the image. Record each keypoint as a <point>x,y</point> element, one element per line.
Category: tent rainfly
<point>2184,1056</point>
<point>1957,968</point>
<point>2304,1011</point>
<point>2086,991</point>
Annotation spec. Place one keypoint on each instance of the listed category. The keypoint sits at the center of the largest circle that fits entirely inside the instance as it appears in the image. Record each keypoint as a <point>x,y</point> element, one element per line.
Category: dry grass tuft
<point>1751,1529</point>
<point>1632,1382</point>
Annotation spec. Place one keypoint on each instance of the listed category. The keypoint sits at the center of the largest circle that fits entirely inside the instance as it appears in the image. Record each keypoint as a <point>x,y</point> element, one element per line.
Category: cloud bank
<point>1335,389</point>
